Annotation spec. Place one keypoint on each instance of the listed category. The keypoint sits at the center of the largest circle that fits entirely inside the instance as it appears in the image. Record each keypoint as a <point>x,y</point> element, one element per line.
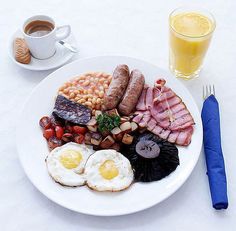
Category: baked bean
<point>76,92</point>
<point>98,101</point>
<point>94,101</point>
<point>66,90</point>
<point>101,94</point>
<point>101,80</point>
<point>89,104</point>
<point>85,83</point>
<point>72,95</point>
<point>106,86</point>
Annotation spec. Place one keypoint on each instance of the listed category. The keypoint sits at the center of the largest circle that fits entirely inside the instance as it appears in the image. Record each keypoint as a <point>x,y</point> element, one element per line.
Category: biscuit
<point>21,51</point>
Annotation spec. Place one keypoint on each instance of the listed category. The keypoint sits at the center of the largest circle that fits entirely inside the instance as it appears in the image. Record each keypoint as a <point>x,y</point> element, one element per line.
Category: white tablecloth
<point>137,28</point>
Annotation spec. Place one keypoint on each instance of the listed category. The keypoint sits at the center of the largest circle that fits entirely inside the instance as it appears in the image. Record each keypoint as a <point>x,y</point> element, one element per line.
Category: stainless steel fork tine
<point>208,90</point>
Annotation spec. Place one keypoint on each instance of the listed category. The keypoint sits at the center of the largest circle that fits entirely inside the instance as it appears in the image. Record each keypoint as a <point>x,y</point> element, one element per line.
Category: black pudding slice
<point>71,111</point>
<point>151,158</point>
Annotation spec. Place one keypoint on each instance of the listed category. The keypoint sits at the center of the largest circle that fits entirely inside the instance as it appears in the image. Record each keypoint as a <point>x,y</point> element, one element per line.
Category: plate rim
<point>84,211</point>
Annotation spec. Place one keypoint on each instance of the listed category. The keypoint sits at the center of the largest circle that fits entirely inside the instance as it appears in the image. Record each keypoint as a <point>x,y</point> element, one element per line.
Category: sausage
<point>133,91</point>
<point>117,87</point>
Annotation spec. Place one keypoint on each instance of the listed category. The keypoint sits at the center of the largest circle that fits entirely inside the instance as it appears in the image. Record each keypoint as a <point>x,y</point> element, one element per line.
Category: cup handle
<point>62,32</point>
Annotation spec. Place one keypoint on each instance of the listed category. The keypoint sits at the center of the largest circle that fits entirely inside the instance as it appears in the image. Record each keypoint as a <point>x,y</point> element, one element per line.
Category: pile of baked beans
<point>87,89</point>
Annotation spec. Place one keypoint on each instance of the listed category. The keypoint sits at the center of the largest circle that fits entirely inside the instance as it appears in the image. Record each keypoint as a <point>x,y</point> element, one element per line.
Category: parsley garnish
<point>107,122</point>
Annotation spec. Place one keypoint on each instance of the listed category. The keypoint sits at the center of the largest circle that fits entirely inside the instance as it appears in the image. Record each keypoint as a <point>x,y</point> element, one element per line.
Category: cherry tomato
<point>59,132</point>
<point>45,122</point>
<point>48,133</point>
<point>79,130</point>
<point>54,142</point>
<point>79,138</point>
<point>67,137</point>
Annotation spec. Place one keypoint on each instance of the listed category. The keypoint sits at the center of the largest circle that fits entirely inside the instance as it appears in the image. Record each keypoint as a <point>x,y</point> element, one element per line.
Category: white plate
<point>33,149</point>
<point>61,56</point>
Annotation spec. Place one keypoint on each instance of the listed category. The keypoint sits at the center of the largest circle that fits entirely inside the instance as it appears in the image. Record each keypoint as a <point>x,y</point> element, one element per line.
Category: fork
<point>208,90</point>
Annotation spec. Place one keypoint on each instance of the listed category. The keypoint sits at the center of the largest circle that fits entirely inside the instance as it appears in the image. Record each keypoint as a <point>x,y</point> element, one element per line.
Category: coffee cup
<point>41,34</point>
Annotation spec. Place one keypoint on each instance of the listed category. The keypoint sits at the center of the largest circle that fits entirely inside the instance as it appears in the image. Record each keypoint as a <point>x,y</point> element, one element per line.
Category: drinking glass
<point>190,35</point>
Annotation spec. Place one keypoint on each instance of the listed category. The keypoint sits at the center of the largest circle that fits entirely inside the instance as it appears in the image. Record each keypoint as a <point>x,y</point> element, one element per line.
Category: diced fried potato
<point>87,138</point>
<point>134,126</point>
<point>92,122</point>
<point>97,113</point>
<point>93,128</point>
<point>127,139</point>
<point>117,133</point>
<point>107,142</point>
<point>124,119</point>
<point>96,138</point>
<point>126,127</point>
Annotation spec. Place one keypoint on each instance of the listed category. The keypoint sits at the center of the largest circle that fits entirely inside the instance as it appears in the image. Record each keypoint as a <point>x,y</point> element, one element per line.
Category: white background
<point>137,28</point>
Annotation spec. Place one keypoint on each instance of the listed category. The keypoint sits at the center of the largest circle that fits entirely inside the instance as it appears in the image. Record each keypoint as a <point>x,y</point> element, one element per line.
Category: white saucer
<point>61,56</point>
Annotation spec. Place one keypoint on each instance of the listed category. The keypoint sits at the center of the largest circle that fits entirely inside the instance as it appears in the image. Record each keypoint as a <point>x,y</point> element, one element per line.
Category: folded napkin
<point>213,153</point>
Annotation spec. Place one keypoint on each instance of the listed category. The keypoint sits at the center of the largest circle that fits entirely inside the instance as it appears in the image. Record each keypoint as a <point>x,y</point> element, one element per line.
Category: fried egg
<point>108,170</point>
<point>66,163</point>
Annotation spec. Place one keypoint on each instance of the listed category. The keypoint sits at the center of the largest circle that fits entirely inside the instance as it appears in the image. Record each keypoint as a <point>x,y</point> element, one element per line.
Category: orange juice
<point>190,35</point>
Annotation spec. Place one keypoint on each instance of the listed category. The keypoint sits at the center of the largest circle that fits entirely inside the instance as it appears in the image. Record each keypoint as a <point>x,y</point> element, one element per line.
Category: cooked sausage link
<point>133,91</point>
<point>117,87</point>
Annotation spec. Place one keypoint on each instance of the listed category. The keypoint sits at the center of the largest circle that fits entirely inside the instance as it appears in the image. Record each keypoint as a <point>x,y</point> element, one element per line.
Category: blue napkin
<point>213,153</point>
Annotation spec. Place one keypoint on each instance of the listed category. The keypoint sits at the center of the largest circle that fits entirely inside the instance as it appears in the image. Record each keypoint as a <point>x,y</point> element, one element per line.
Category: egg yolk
<point>108,170</point>
<point>70,159</point>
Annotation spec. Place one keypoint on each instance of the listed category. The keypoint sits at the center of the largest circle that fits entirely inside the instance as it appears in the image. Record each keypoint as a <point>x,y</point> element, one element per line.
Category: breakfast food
<point>58,131</point>
<point>132,127</point>
<point>66,164</point>
<point>21,51</point>
<point>163,113</point>
<point>87,89</point>
<point>71,111</point>
<point>108,170</point>
<point>116,90</point>
<point>151,158</point>
<point>132,93</point>
<point>109,130</point>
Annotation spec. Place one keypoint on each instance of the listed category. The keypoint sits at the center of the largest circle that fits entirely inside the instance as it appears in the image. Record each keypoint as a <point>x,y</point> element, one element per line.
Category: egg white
<point>68,177</point>
<point>94,179</point>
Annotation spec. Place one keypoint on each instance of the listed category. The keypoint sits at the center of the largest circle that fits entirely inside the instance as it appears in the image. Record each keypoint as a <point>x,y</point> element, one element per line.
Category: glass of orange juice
<point>190,35</point>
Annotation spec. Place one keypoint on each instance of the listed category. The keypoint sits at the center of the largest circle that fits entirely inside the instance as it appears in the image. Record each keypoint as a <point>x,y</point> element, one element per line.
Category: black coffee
<point>38,28</point>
